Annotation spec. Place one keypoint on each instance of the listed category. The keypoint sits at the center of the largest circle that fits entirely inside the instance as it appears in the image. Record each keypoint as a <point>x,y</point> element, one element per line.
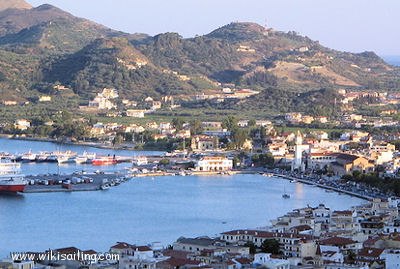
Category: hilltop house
<point>22,124</point>
<point>135,113</point>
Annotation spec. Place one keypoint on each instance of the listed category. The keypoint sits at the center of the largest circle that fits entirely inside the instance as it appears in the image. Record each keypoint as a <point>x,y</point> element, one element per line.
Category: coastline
<point>322,186</point>
<point>80,143</point>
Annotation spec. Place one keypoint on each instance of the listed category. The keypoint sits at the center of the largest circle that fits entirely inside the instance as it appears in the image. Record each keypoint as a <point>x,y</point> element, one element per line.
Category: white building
<point>101,102</point>
<point>22,124</point>
<point>264,259</point>
<point>392,259</point>
<point>17,264</point>
<point>299,148</point>
<point>45,98</point>
<point>135,113</point>
<point>214,164</point>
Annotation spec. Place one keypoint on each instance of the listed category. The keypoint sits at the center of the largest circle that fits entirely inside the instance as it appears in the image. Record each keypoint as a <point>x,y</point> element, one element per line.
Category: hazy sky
<point>350,25</point>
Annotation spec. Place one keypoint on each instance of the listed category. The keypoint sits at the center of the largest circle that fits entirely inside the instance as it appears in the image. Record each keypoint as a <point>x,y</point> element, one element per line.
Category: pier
<point>72,182</point>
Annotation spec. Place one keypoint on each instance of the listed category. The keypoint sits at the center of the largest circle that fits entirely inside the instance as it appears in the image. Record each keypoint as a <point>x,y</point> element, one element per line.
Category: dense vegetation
<point>48,46</point>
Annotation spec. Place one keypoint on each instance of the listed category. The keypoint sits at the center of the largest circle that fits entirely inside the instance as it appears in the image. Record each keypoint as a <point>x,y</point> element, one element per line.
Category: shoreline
<point>96,186</point>
<point>81,143</point>
<point>322,186</point>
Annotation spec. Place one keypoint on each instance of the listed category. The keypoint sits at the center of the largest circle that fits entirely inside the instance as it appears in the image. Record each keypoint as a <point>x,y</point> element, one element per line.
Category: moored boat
<point>28,157</point>
<point>85,158</point>
<point>11,180</point>
<point>106,160</point>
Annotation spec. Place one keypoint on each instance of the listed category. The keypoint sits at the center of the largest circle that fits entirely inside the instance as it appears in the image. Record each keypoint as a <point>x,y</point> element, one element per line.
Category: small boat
<point>28,157</point>
<point>139,160</point>
<point>285,195</point>
<point>85,158</point>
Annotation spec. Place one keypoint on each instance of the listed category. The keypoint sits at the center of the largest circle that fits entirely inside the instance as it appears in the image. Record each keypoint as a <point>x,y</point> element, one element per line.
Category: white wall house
<point>214,164</point>
<point>264,259</point>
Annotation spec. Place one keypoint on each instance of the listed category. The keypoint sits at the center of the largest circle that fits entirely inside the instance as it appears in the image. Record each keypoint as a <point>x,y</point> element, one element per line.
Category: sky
<point>347,25</point>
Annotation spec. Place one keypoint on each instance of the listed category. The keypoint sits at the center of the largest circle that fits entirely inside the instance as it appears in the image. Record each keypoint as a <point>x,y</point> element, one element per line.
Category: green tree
<point>195,127</point>
<point>239,136</point>
<point>118,139</point>
<point>252,247</point>
<point>270,246</point>
<point>252,123</point>
<point>178,123</point>
<point>164,162</point>
<point>230,123</point>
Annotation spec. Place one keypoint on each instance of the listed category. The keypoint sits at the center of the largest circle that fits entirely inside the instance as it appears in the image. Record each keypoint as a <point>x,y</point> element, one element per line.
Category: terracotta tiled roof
<point>243,260</point>
<point>370,252</point>
<point>69,250</point>
<point>122,245</point>
<point>175,262</point>
<point>176,253</point>
<point>337,241</point>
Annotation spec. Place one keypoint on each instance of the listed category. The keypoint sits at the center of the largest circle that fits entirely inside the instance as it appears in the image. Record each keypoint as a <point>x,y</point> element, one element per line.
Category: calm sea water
<point>393,60</point>
<point>146,210</point>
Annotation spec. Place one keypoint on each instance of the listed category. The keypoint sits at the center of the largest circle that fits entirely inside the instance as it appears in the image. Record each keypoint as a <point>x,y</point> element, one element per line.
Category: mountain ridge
<point>86,56</point>
<point>14,4</point>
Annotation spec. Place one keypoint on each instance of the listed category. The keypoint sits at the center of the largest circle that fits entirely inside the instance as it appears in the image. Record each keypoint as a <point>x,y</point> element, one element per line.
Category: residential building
<point>45,98</point>
<point>204,142</point>
<point>22,124</point>
<point>135,113</point>
<point>347,163</point>
<point>265,260</point>
<point>392,259</point>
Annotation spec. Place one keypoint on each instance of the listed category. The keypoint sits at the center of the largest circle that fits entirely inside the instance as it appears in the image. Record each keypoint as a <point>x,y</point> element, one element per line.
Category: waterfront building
<point>348,163</point>
<point>214,163</point>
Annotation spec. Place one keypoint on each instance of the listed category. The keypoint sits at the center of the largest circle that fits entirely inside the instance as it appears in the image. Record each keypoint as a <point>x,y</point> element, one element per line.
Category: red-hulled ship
<point>108,160</point>
<point>11,180</point>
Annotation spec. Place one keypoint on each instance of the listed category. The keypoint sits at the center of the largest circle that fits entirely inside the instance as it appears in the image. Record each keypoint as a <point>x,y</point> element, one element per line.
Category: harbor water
<point>145,210</point>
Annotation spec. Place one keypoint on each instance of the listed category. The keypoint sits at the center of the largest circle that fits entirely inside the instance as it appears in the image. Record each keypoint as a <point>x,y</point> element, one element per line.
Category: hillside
<point>14,4</point>
<point>46,46</point>
<point>13,21</point>
<point>112,63</point>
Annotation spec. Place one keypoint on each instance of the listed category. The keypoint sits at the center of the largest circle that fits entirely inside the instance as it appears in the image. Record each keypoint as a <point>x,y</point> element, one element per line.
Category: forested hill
<point>45,46</point>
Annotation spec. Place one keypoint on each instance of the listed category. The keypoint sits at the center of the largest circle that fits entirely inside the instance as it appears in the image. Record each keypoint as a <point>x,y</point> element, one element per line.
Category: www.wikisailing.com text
<point>52,256</point>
